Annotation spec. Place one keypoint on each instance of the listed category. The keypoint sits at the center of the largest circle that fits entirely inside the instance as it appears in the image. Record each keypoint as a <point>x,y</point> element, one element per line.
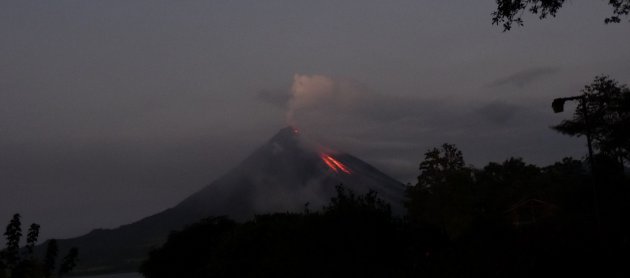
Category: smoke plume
<point>321,93</point>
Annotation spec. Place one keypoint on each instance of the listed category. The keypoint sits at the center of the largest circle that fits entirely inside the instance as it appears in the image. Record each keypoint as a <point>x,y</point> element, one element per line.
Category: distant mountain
<point>285,174</point>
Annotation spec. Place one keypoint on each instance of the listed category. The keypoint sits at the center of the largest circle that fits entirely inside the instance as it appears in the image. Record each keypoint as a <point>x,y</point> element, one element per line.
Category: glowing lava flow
<point>334,164</point>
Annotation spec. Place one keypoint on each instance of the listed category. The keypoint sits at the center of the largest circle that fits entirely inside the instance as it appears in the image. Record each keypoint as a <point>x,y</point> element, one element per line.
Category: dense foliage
<point>604,114</point>
<point>517,219</point>
<point>510,12</point>
<point>356,236</point>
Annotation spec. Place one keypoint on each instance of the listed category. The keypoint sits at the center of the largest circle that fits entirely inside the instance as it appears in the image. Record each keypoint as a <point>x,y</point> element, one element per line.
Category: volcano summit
<point>285,174</point>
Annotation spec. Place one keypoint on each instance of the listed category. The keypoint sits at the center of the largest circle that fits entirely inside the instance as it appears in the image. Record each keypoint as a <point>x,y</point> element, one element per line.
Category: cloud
<point>498,112</point>
<point>524,78</point>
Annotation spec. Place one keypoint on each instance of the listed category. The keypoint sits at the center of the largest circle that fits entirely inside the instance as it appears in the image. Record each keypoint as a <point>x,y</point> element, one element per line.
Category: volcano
<point>287,174</point>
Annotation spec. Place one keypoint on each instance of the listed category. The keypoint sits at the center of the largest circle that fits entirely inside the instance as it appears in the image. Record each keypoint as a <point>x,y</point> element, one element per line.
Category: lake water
<point>119,275</point>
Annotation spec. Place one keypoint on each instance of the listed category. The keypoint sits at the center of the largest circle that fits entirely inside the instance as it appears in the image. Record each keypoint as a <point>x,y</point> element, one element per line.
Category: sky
<point>111,111</point>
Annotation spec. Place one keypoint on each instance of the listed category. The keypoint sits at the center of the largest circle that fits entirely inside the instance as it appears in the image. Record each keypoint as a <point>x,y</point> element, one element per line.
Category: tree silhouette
<point>440,165</point>
<point>69,261</point>
<point>25,265</point>
<point>443,196</point>
<point>13,234</point>
<point>51,257</point>
<point>509,12</point>
<point>605,113</point>
<point>31,238</point>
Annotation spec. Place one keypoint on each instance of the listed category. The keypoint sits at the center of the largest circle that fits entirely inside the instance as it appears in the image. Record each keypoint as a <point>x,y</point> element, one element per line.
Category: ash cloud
<point>317,92</point>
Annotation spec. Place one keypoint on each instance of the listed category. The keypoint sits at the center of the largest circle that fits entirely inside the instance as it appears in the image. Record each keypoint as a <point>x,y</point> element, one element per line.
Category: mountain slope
<point>285,174</point>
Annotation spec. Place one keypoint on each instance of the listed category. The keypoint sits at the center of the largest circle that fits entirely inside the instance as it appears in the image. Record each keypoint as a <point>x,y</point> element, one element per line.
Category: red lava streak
<point>334,164</point>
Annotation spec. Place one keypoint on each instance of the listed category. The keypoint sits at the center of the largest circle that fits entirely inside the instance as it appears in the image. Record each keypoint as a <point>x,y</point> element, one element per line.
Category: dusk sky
<point>111,111</point>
